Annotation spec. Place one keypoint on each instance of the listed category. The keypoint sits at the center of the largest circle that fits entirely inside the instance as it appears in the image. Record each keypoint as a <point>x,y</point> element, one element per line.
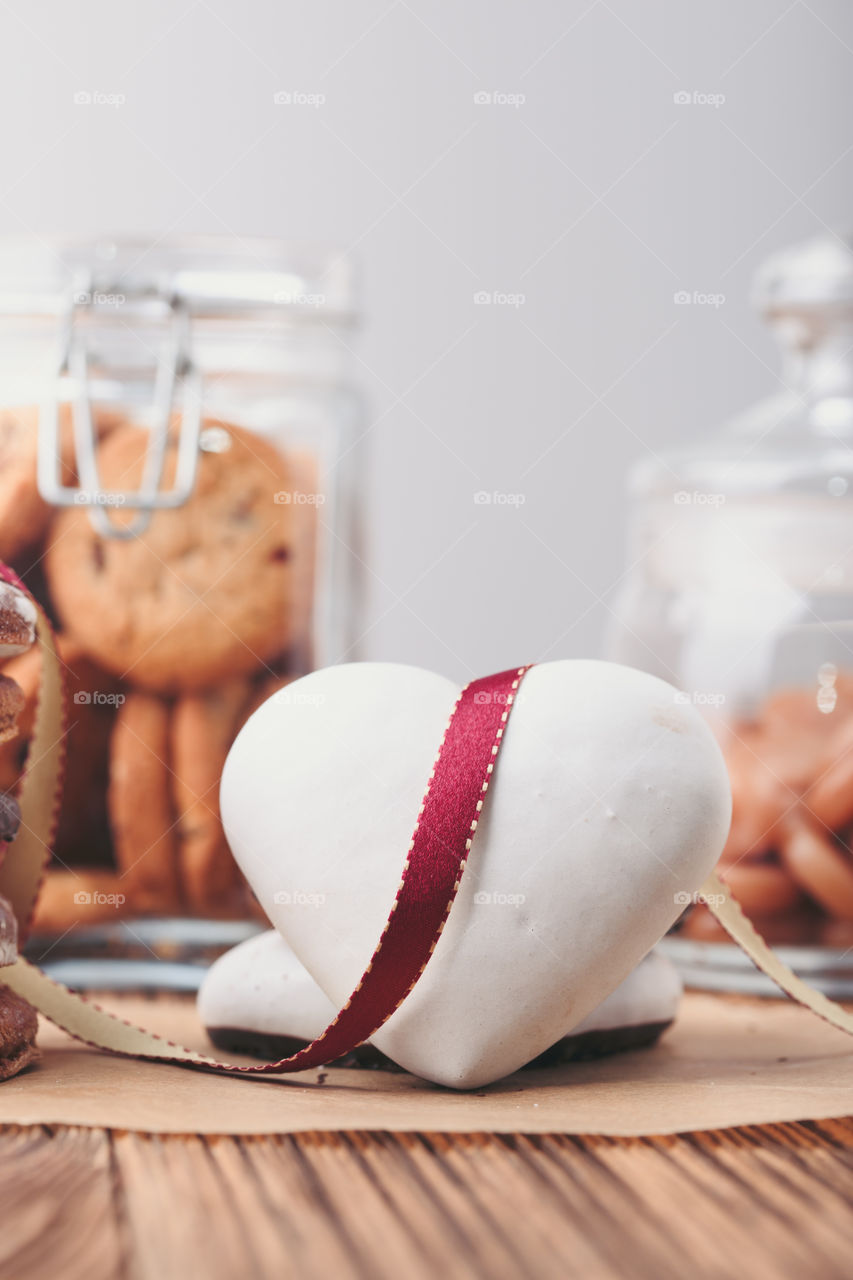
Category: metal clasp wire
<point>177,380</point>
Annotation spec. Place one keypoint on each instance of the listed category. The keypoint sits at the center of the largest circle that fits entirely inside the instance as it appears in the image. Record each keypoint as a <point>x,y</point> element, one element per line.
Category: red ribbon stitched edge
<point>430,881</point>
<point>436,861</point>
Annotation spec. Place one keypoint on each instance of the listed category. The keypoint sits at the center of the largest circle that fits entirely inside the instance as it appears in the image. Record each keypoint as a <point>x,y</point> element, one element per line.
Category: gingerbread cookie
<point>259,999</point>
<point>206,592</point>
<point>140,805</point>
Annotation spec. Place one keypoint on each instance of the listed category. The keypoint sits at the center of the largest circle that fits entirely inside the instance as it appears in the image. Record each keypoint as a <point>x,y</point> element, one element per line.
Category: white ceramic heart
<point>609,803</point>
<point>260,986</point>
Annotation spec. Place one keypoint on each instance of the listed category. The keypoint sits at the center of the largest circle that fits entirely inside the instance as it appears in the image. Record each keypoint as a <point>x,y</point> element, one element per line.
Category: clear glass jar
<point>741,594</point>
<point>178,488</point>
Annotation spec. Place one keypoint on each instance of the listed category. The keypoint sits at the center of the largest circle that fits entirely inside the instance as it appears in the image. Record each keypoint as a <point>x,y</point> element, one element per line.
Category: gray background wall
<point>597,197</point>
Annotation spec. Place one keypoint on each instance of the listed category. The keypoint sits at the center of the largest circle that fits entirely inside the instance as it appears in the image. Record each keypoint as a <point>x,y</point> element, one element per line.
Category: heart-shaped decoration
<point>258,997</point>
<point>608,807</point>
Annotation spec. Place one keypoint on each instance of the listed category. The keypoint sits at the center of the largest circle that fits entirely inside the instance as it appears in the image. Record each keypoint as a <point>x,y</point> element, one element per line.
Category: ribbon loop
<point>430,880</point>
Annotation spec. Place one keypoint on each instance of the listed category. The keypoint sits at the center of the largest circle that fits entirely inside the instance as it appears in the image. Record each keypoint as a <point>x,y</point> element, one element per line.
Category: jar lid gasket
<point>212,275</point>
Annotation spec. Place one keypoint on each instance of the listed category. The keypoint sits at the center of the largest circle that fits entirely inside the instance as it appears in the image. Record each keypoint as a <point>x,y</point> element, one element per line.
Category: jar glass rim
<point>212,275</point>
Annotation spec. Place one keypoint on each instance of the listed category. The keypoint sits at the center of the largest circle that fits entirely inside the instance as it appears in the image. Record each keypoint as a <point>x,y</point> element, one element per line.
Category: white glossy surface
<point>609,801</point>
<point>260,986</point>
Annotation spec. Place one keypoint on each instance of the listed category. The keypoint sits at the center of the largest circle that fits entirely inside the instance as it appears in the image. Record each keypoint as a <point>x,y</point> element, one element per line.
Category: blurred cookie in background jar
<point>168,639</point>
<point>24,513</point>
<point>83,835</point>
<point>789,859</point>
<point>187,585</point>
<point>209,591</point>
<point>740,592</point>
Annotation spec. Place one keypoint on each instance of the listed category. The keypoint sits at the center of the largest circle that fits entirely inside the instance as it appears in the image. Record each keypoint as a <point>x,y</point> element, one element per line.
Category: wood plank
<point>755,1201</point>
<point>59,1208</point>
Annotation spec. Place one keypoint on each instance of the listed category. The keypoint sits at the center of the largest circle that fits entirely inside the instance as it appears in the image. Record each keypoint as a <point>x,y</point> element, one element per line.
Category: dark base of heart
<point>579,1048</point>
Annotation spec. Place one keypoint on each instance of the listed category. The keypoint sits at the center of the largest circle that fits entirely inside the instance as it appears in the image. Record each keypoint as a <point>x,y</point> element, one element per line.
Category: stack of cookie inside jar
<point>741,593</point>
<point>195,572</point>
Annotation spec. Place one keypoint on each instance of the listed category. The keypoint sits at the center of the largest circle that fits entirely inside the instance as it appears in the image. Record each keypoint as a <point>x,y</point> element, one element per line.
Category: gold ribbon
<point>25,864</point>
<point>26,860</point>
<point>728,911</point>
<point>28,856</point>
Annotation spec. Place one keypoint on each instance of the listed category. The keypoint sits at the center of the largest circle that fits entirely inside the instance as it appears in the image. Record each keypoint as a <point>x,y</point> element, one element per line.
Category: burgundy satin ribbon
<point>431,876</point>
<point>430,880</point>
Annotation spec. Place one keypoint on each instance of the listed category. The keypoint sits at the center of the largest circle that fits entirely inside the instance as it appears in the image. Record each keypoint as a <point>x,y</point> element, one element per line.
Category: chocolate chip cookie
<point>207,591</point>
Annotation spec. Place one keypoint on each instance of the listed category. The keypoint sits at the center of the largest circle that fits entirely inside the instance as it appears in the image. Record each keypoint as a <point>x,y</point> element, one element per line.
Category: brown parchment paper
<point>727,1061</point>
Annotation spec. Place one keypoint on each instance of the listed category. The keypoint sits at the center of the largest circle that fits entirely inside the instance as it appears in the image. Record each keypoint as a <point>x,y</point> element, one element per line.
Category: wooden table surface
<point>748,1203</point>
